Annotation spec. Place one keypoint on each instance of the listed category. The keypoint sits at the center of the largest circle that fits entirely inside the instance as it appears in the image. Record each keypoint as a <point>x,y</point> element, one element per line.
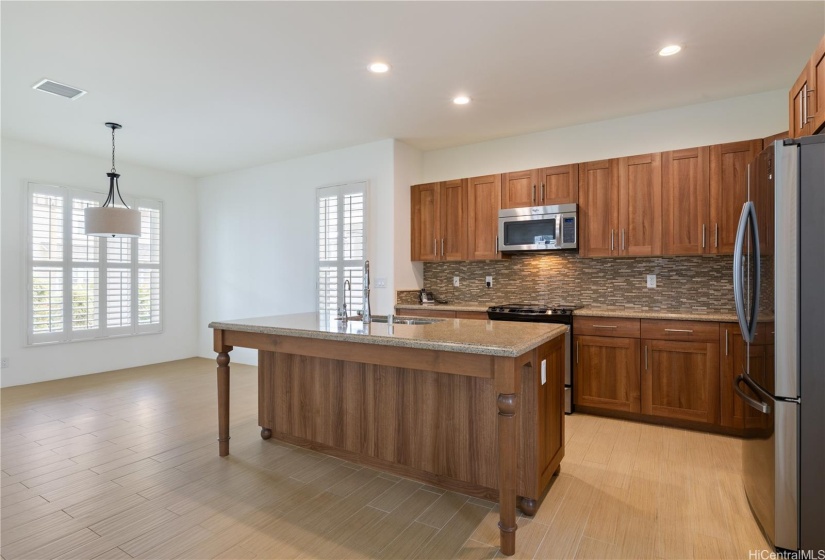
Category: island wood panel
<point>453,220</point>
<point>685,201</point>
<point>483,204</point>
<point>640,205</point>
<point>728,191</point>
<point>425,222</point>
<point>438,428</point>
<point>681,380</point>
<point>598,213</point>
<point>559,185</point>
<point>607,373</point>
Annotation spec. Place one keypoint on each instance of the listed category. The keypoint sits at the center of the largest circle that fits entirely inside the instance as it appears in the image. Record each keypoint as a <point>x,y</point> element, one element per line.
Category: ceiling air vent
<point>56,88</point>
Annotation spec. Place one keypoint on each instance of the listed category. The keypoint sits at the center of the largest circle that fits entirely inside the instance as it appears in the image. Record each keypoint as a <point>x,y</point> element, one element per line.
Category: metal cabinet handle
<point>808,92</point>
<point>542,193</point>
<point>605,326</point>
<point>679,330</point>
<point>622,239</point>
<point>495,249</point>
<point>435,247</point>
<point>534,194</point>
<point>726,342</point>
<point>611,239</point>
<point>703,236</point>
<point>716,237</point>
<point>577,351</point>
<point>442,246</point>
<point>645,357</point>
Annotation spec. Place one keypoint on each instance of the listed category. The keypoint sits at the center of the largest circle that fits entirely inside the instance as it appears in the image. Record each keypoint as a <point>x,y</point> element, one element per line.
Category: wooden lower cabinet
<point>607,373</point>
<point>734,413</point>
<point>442,313</point>
<point>680,380</point>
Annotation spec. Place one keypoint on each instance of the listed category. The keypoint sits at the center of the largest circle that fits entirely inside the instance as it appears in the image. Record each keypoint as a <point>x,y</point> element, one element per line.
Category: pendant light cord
<point>113,151</point>
<point>114,178</point>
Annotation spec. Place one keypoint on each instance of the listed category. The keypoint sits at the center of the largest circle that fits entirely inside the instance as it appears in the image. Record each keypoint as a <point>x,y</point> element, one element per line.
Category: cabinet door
<point>816,109</point>
<point>483,204</point>
<point>728,191</point>
<point>559,185</point>
<point>453,223</point>
<point>640,205</point>
<point>734,413</point>
<point>425,222</point>
<point>681,380</point>
<point>685,201</point>
<point>767,141</point>
<point>798,108</point>
<point>606,373</point>
<point>598,211</point>
<point>519,189</point>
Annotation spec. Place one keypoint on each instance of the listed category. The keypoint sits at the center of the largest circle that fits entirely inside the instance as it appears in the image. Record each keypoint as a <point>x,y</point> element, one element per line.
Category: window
<point>82,287</point>
<point>341,247</point>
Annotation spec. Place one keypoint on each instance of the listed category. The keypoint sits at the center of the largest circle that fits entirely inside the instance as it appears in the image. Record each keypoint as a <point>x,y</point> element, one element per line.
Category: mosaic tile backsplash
<point>699,283</point>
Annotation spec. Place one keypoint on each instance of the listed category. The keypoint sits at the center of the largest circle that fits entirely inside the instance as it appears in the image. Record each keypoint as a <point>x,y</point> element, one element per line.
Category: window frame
<point>67,265</point>
<point>339,189</point>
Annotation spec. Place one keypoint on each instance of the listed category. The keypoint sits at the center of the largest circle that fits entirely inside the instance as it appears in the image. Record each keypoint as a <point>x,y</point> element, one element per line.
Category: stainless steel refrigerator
<point>779,291</point>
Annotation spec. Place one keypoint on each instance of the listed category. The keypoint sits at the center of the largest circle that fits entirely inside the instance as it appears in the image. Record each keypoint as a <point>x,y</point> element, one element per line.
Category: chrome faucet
<point>347,288</point>
<point>367,317</point>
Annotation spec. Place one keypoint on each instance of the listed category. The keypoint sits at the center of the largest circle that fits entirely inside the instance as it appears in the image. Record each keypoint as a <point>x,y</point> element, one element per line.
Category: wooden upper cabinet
<point>453,220</point>
<point>483,204</point>
<point>685,214</point>
<point>797,106</point>
<point>558,185</point>
<point>598,211</point>
<point>728,191</point>
<point>425,224</point>
<point>640,206</point>
<point>519,189</point>
<point>540,187</point>
<point>768,140</point>
<point>816,107</point>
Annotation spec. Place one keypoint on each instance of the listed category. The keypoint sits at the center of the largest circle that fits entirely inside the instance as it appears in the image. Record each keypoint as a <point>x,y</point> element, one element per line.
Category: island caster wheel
<point>528,506</point>
<point>266,433</point>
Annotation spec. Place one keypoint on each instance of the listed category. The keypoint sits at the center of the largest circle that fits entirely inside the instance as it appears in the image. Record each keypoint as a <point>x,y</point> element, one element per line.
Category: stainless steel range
<point>561,314</point>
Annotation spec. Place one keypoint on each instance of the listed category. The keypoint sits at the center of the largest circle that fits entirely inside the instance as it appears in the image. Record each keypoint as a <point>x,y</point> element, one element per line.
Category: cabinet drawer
<point>439,313</point>
<point>687,331</point>
<point>482,315</point>
<point>606,326</point>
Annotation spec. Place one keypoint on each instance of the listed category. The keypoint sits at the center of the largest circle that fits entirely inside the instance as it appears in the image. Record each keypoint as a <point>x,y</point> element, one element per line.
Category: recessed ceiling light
<point>461,100</point>
<point>670,50</point>
<point>379,67</point>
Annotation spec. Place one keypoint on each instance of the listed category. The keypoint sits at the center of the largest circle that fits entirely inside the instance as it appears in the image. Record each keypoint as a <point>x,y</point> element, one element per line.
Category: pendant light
<point>110,220</point>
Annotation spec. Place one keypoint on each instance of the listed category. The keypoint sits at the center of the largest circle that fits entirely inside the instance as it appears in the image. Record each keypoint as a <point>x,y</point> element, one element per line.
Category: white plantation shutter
<point>341,246</point>
<point>82,287</point>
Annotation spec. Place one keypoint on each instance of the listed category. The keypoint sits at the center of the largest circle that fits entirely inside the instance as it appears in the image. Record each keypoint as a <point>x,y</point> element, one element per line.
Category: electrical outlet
<point>455,281</point>
<point>651,280</point>
<point>4,363</point>
<point>488,281</point>
<point>380,282</point>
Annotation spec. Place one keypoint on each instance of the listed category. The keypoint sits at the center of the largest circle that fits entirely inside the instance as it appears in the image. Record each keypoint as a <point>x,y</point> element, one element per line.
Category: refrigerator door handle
<point>746,324</point>
<point>762,407</point>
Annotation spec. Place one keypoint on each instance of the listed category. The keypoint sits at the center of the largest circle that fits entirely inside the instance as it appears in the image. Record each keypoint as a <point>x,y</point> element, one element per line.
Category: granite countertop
<point>493,338</point>
<point>601,311</point>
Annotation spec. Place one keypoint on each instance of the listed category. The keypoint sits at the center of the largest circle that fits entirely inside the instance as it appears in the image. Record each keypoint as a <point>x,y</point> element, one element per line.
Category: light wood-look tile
<point>124,465</point>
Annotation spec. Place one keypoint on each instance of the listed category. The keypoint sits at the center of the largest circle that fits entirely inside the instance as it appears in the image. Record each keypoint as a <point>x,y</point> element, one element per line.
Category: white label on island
<point>543,372</point>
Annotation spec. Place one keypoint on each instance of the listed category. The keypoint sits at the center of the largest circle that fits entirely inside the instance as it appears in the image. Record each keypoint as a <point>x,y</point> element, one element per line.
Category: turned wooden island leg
<point>223,393</point>
<point>507,472</point>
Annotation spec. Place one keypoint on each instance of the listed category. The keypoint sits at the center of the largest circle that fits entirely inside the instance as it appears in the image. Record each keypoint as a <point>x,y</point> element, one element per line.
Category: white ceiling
<point>207,87</point>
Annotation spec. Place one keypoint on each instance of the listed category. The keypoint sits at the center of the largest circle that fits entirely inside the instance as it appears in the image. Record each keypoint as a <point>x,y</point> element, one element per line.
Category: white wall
<point>407,163</point>
<point>23,162</point>
<point>257,235</point>
<point>729,120</point>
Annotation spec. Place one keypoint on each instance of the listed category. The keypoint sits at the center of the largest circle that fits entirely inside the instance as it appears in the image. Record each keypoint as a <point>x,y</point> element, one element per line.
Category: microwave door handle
<point>738,292</point>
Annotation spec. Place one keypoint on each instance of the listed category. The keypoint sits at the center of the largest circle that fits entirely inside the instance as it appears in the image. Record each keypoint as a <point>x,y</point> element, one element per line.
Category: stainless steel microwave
<point>538,228</point>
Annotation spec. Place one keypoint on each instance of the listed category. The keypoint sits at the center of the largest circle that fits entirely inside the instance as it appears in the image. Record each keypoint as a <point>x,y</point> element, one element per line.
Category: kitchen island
<point>469,405</point>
